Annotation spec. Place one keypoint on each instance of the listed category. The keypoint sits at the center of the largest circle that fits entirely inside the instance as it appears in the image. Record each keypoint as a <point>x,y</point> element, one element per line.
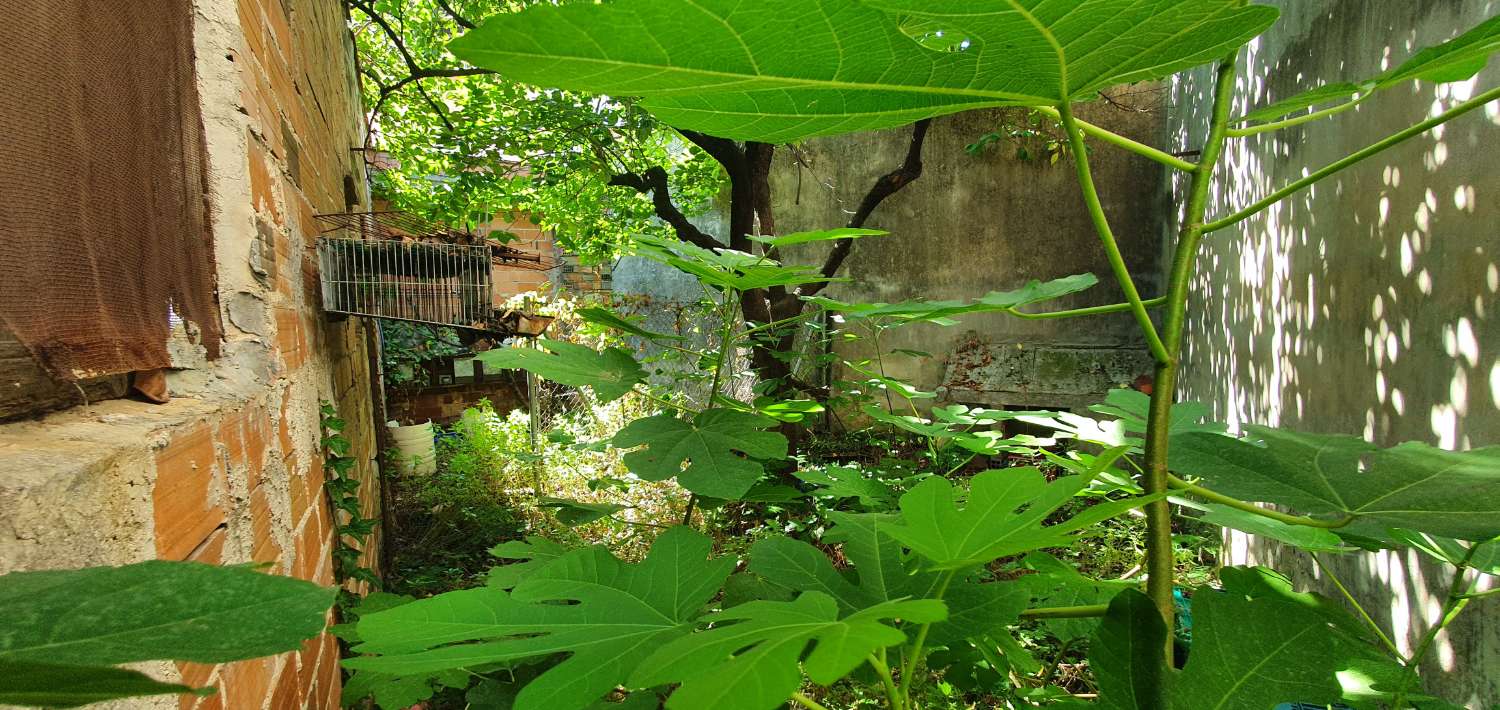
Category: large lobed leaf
<point>1415,486</point>
<point>611,372</point>
<point>1004,515</point>
<point>1457,59</point>
<point>749,660</point>
<point>619,613</point>
<point>782,70</point>
<point>1256,644</point>
<point>942,312</point>
<point>64,629</point>
<point>711,445</point>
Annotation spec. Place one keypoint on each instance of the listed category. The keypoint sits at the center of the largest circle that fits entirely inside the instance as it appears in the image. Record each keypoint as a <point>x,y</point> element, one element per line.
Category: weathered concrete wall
<point>975,224</point>
<point>230,471</point>
<point>1367,305</point>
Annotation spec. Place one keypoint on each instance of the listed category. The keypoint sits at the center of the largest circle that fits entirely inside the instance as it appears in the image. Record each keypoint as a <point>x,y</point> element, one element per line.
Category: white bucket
<point>415,451</point>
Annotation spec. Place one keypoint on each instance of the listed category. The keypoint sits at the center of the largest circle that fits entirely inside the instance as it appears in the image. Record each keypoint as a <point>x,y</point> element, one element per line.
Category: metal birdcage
<point>396,266</point>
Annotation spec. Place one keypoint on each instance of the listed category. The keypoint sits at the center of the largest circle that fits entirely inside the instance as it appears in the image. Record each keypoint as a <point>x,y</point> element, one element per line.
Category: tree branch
<point>457,18</point>
<point>653,182</point>
<point>415,72</point>
<point>888,184</point>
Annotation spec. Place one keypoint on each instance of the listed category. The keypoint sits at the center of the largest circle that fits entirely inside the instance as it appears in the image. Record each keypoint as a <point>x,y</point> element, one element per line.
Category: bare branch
<point>653,182</point>
<point>415,71</point>
<point>888,184</point>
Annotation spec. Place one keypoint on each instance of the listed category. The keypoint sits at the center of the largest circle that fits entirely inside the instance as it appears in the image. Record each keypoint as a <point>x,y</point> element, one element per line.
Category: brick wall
<point>445,404</point>
<point>230,471</point>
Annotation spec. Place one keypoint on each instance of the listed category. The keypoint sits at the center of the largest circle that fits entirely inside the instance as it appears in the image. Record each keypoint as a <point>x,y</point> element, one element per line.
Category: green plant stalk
<point>1238,504</point>
<point>1120,141</point>
<point>807,702</point>
<point>1160,562</point>
<point>1354,158</point>
<point>1384,639</point>
<point>1090,311</point>
<point>1107,236</point>
<point>914,661</point>
<point>1453,605</point>
<point>726,351</point>
<point>1065,612</point>
<point>1299,120</point>
<point>892,695</point>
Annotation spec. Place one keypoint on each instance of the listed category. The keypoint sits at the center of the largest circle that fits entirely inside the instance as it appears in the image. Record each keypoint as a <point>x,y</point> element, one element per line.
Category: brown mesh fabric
<point>103,212</point>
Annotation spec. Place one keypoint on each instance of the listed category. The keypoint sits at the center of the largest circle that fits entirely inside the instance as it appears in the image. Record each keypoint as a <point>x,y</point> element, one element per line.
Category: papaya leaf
<point>1483,557</point>
<point>942,312</point>
<point>749,660</point>
<point>822,236</point>
<point>1413,486</point>
<point>573,513</point>
<point>841,482</point>
<point>609,319</point>
<point>611,372</point>
<point>782,70</point>
<point>50,685</point>
<point>156,610</point>
<point>1256,644</point>
<point>711,445</point>
<point>1126,653</point>
<point>1302,536</point>
<point>619,613</point>
<point>1003,516</point>
<point>727,268</point>
<point>537,553</point>
<point>1457,59</point>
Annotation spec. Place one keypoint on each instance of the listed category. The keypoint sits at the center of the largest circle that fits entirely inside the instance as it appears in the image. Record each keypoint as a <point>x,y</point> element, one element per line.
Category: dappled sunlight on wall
<point>1370,303</point>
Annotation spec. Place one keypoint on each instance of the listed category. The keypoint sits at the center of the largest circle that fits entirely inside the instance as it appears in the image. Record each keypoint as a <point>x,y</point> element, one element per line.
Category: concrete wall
<point>1367,305</point>
<point>975,224</point>
<point>230,471</point>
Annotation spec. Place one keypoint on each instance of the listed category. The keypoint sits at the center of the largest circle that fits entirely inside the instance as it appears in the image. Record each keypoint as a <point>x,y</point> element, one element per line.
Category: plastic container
<point>416,454</point>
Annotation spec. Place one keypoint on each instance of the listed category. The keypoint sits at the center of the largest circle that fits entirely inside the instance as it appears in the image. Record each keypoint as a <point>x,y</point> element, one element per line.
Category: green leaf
<point>826,235</point>
<point>1255,645</point>
<point>749,659</point>
<point>610,319</point>
<point>790,410</point>
<point>156,610</point>
<point>612,373</point>
<point>1484,557</point>
<point>1305,537</point>
<point>538,552</point>
<point>841,482</point>
<point>620,613</point>
<point>573,513</point>
<point>1004,516</point>
<point>782,70</point>
<point>1412,485</point>
<point>1457,59</point>
<point>941,312</point>
<point>54,686</point>
<point>727,268</point>
<point>711,445</point>
<point>1126,653</point>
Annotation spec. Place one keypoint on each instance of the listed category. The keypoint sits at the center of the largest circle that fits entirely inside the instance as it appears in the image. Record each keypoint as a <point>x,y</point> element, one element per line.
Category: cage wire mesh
<point>397,266</point>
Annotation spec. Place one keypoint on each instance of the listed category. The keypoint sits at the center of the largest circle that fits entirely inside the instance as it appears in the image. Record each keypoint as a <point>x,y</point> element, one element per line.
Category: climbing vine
<point>352,534</point>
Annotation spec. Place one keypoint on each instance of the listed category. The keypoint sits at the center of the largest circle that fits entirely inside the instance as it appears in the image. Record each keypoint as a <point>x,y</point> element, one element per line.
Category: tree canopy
<point>460,144</point>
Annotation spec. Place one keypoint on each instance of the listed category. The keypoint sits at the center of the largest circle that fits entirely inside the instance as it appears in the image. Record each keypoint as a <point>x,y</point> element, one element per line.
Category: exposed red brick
<point>287,695</point>
<point>291,340</point>
<point>247,683</point>
<point>185,498</point>
<point>263,546</point>
<point>211,552</point>
<point>194,675</point>
<point>261,196</point>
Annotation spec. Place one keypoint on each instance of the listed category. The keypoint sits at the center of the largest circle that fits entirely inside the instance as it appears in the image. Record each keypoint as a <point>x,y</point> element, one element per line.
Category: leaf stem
<point>807,702</point>
<point>884,671</point>
<point>1298,120</point>
<point>1354,158</point>
<point>1107,236</point>
<point>1380,633</point>
<point>1238,504</point>
<point>1120,141</point>
<point>1065,612</point>
<point>1452,606</point>
<point>914,661</point>
<point>1090,311</point>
